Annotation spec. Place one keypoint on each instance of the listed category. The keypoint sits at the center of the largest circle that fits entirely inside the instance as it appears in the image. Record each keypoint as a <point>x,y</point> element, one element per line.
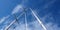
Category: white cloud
<point>36,26</point>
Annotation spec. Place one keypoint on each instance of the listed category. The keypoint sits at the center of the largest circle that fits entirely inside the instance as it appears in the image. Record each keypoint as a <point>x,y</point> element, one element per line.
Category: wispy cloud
<point>3,19</point>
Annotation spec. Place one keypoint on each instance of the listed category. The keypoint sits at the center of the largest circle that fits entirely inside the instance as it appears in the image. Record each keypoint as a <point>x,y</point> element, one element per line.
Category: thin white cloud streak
<point>38,20</point>
<point>19,7</point>
<point>3,19</point>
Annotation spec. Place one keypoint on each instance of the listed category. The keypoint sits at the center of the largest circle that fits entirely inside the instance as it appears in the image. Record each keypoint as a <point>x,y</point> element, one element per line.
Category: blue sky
<point>47,10</point>
<point>6,6</point>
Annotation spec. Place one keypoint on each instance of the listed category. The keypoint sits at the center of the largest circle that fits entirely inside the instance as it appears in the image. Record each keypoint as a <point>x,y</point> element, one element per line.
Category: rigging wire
<point>40,22</point>
<point>26,27</point>
<point>13,22</point>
